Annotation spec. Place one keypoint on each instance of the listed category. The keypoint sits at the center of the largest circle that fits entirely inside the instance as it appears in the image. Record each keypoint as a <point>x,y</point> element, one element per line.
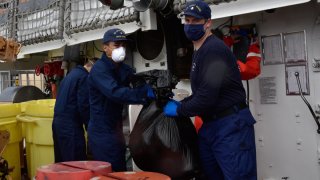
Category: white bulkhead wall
<point>141,64</point>
<point>286,134</point>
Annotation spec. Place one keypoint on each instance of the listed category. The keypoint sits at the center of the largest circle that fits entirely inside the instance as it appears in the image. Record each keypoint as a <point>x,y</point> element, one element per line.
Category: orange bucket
<point>133,176</point>
<point>74,170</point>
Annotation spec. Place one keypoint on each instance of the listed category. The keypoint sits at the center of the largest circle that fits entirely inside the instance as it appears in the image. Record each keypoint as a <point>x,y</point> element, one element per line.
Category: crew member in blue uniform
<point>226,139</point>
<point>71,115</point>
<point>109,91</point>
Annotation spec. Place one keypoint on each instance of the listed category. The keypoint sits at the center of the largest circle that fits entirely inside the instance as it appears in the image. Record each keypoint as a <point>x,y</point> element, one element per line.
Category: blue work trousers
<point>109,147</point>
<point>227,147</point>
<point>68,145</point>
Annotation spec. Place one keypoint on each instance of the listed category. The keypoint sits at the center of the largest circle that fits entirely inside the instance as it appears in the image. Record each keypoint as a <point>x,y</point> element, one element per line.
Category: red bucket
<point>133,176</point>
<point>74,170</point>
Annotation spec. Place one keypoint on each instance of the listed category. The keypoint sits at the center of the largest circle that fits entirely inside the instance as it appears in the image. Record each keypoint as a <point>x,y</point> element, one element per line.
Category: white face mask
<point>118,54</point>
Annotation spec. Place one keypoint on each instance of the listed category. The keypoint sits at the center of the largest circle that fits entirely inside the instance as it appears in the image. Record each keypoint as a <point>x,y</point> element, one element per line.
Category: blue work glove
<point>150,93</point>
<point>170,109</point>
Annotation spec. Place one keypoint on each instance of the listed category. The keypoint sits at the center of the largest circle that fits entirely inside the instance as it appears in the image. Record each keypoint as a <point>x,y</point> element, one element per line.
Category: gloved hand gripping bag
<point>164,144</point>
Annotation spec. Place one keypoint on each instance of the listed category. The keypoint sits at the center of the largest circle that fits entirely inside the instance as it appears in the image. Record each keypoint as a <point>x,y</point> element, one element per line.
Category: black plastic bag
<point>164,144</point>
<point>161,81</point>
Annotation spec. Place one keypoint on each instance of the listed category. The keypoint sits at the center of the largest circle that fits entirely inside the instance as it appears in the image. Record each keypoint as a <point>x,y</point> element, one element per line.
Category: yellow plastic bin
<point>37,120</point>
<point>27,128</point>
<point>23,106</point>
<point>8,122</point>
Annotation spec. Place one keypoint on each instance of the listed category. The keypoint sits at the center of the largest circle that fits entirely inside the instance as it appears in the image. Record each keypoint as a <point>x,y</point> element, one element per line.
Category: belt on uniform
<point>231,110</point>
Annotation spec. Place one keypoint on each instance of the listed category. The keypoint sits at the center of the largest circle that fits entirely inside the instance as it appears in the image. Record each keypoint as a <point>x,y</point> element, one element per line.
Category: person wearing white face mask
<point>119,54</point>
<point>109,90</point>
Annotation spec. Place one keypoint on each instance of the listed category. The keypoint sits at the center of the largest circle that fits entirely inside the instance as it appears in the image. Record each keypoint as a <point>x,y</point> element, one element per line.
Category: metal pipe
<point>179,5</point>
<point>62,5</point>
<point>13,19</point>
<point>68,18</point>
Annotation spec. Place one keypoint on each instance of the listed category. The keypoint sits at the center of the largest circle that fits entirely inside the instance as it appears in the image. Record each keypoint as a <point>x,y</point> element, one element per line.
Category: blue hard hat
<point>114,35</point>
<point>197,9</point>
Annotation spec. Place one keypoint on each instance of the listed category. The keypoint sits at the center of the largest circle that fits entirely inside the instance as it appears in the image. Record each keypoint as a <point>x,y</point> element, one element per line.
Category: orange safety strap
<point>198,123</point>
<point>54,90</point>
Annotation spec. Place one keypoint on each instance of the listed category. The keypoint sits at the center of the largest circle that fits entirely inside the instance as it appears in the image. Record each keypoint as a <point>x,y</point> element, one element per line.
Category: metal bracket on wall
<point>316,65</point>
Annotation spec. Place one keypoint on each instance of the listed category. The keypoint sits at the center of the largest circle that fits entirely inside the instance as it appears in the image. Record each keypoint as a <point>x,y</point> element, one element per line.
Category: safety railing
<point>39,20</point>
<point>6,18</point>
<point>85,15</point>
<point>36,21</point>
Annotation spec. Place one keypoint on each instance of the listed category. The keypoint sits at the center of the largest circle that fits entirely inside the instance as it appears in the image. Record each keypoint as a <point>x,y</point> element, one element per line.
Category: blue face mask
<point>194,32</point>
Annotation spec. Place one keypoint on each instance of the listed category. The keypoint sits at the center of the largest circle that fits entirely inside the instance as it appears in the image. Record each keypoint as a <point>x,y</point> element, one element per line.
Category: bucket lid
<point>137,176</point>
<point>74,170</point>
<point>98,167</point>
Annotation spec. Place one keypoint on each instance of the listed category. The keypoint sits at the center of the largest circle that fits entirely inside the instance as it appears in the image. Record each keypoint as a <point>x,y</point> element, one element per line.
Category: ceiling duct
<point>143,5</point>
<point>180,5</point>
<point>114,4</point>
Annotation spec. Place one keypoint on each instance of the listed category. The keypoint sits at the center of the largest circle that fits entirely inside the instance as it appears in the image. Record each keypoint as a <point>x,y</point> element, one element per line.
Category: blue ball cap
<point>114,35</point>
<point>197,9</point>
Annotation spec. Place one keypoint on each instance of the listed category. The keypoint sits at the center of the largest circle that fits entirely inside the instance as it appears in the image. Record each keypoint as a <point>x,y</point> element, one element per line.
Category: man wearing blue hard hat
<point>109,90</point>
<point>226,138</point>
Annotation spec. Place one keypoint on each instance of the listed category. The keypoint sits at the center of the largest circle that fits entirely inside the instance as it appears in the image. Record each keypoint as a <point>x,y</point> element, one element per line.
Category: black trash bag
<point>157,78</point>
<point>162,82</point>
<point>164,144</point>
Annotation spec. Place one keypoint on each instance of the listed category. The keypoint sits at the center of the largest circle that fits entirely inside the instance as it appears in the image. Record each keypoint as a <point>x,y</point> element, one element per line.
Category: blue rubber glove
<point>170,109</point>
<point>150,93</point>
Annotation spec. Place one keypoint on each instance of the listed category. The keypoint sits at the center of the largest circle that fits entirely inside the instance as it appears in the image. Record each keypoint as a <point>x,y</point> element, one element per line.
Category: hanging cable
<point>248,93</point>
<point>93,48</point>
<point>223,24</point>
<point>94,44</point>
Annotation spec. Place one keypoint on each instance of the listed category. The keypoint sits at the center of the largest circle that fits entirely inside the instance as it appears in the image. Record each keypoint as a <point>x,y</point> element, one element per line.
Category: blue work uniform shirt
<point>73,98</point>
<point>71,113</point>
<point>109,90</point>
<point>215,81</point>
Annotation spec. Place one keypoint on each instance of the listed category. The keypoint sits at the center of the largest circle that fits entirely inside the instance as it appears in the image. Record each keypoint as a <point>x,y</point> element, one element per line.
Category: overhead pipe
<point>144,5</point>
<point>180,5</point>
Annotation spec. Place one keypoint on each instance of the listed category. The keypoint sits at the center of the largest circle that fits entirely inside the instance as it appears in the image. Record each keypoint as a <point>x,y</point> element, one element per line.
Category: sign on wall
<point>268,90</point>
<point>293,74</point>
<point>272,49</point>
<point>291,49</point>
<point>295,50</point>
<point>295,56</point>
